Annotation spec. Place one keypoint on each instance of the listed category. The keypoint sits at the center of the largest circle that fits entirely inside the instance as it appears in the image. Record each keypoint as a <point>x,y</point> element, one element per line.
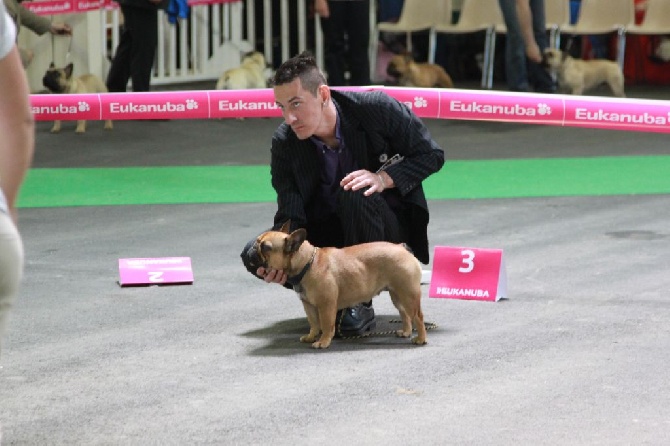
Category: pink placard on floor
<point>155,271</point>
<point>468,273</point>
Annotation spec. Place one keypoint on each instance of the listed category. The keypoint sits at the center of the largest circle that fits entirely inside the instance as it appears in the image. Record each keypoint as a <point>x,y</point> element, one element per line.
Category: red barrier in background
<point>524,108</point>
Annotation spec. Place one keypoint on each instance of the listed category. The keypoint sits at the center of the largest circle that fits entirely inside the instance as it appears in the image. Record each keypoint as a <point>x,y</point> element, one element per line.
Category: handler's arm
<point>409,137</point>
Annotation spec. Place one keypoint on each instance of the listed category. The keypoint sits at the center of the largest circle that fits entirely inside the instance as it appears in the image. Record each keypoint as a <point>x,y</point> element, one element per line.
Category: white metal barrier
<point>214,37</point>
<point>199,48</point>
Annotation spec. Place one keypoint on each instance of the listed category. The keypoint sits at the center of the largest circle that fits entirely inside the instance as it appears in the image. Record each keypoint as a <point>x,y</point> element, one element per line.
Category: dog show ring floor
<point>577,354</point>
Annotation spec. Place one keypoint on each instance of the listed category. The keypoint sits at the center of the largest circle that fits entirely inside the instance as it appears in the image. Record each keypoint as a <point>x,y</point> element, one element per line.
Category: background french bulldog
<point>330,279</point>
<point>250,74</point>
<point>60,80</point>
<point>422,75</point>
<point>577,75</point>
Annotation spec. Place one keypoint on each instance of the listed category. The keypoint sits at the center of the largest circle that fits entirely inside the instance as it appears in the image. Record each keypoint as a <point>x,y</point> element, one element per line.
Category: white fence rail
<point>196,49</point>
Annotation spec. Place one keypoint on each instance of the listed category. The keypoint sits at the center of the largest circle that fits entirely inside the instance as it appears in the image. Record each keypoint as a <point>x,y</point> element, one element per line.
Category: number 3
<point>468,256</point>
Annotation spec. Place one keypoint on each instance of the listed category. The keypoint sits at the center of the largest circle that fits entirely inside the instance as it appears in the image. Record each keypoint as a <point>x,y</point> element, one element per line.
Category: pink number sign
<point>468,273</point>
<point>156,271</point>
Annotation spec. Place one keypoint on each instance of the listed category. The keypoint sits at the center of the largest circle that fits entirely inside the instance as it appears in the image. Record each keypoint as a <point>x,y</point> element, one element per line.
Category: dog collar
<point>295,280</point>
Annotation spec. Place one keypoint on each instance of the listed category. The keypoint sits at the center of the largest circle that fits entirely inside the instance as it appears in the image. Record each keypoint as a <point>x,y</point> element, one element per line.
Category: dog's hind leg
<point>109,125</point>
<point>616,85</point>
<point>420,338</point>
<point>406,330</point>
<point>56,127</point>
<point>81,127</point>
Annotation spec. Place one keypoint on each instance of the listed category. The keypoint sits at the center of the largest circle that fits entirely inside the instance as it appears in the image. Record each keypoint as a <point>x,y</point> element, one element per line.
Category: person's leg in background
<point>515,49</point>
<point>539,76</point>
<point>134,57</point>
<point>358,39</point>
<point>145,31</point>
<point>335,45</point>
<point>119,72</point>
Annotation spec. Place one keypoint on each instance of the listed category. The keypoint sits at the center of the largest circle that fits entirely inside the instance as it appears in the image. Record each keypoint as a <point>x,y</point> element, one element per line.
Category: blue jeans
<point>521,74</point>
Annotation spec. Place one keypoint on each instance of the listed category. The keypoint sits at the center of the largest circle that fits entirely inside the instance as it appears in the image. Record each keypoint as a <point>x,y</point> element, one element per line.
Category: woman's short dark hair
<point>302,66</point>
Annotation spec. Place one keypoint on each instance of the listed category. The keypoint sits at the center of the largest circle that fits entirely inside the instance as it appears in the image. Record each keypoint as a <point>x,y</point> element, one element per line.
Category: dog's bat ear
<point>286,227</point>
<point>294,241</point>
<point>68,70</point>
<point>52,66</point>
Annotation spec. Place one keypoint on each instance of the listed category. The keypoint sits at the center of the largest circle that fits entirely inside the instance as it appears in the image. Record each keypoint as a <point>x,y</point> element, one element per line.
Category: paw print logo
<point>543,109</point>
<point>420,102</point>
<point>191,104</point>
<point>83,107</point>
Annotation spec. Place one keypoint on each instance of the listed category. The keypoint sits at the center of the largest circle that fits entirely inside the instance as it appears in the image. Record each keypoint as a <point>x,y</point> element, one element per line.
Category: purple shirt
<point>335,164</point>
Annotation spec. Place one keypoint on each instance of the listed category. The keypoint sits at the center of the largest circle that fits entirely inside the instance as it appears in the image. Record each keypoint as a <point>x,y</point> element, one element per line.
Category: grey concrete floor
<point>578,354</point>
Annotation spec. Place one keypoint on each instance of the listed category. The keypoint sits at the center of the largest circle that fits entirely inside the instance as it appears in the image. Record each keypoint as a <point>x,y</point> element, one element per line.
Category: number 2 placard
<point>468,273</point>
<point>155,271</point>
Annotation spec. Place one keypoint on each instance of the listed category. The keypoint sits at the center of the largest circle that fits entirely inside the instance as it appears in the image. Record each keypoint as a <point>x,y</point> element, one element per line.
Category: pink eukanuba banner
<point>524,108</point>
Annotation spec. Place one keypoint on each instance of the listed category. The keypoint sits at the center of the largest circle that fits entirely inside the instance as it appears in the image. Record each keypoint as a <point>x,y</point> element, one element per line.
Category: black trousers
<point>346,38</point>
<point>134,58</point>
<point>358,219</point>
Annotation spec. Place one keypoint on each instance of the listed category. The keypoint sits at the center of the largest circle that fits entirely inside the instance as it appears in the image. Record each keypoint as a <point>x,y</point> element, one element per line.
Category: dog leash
<point>428,325</point>
<point>53,48</point>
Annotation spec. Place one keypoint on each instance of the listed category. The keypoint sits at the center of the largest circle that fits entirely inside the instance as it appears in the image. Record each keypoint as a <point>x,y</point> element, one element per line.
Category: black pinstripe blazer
<point>374,127</point>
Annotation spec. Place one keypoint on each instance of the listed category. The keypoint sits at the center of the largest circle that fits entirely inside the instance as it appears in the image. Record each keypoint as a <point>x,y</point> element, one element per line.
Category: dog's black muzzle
<point>50,81</point>
<point>391,70</point>
<point>251,258</point>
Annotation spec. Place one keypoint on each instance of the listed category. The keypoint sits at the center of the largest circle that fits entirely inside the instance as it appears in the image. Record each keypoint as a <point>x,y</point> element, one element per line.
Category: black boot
<point>355,321</point>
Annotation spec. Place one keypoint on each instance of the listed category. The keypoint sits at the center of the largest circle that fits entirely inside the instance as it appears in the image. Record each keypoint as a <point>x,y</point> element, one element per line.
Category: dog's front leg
<point>56,127</point>
<point>313,319</point>
<point>327,317</point>
<point>81,127</point>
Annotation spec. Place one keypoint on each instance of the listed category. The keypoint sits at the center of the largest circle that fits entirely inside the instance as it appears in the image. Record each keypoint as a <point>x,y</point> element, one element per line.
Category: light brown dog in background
<point>249,75</point>
<point>422,75</point>
<point>60,80</point>
<point>333,279</point>
<point>577,76</point>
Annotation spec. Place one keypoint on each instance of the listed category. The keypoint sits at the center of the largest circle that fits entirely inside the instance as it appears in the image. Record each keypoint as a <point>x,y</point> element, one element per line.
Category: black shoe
<point>355,321</point>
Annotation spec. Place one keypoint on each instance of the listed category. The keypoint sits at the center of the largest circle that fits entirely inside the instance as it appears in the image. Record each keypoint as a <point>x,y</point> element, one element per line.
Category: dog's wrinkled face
<point>57,80</point>
<point>398,65</point>
<point>255,58</point>
<point>273,249</point>
<point>553,58</point>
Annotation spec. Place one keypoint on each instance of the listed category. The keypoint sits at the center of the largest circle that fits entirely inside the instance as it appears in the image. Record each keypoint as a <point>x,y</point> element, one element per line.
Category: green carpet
<point>238,184</point>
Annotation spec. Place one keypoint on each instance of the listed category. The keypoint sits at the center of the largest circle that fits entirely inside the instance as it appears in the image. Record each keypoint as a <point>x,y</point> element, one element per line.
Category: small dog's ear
<point>68,70</point>
<point>52,66</point>
<point>286,227</point>
<point>294,241</point>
